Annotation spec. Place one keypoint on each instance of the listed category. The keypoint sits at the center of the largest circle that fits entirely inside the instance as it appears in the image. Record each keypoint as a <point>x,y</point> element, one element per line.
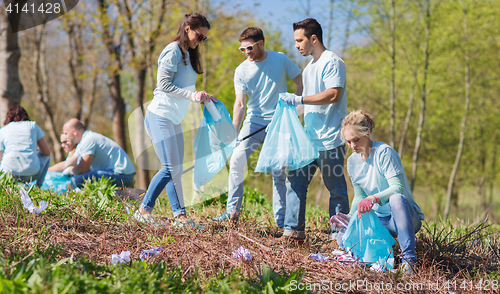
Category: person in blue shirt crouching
<point>99,157</point>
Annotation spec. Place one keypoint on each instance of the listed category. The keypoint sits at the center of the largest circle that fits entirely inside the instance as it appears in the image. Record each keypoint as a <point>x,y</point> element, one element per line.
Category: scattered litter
<point>28,204</point>
<point>337,252</point>
<point>345,258</point>
<point>147,253</point>
<point>381,265</point>
<point>377,267</point>
<point>127,209</point>
<point>242,253</point>
<point>123,257</point>
<point>319,257</point>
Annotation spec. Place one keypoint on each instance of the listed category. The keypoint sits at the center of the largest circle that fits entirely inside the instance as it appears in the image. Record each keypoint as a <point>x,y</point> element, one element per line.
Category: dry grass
<point>443,259</point>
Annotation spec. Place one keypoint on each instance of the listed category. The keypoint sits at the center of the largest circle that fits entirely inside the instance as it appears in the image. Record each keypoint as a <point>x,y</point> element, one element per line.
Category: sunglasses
<point>201,38</point>
<point>249,48</point>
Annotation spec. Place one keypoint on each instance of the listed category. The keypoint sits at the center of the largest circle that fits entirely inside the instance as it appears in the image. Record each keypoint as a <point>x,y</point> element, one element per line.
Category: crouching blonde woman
<point>380,184</point>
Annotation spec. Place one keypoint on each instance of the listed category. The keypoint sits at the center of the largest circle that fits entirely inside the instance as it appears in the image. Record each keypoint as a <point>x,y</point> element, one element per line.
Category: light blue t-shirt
<point>371,175</point>
<point>18,141</point>
<point>322,123</point>
<point>107,154</point>
<point>263,81</point>
<point>172,108</point>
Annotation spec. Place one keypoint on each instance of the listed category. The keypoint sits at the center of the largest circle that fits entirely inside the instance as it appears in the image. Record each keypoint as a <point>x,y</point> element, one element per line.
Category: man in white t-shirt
<point>262,76</point>
<point>325,106</point>
<point>98,157</point>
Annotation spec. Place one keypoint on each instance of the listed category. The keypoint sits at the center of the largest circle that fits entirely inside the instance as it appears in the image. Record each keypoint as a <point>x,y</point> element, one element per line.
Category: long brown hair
<point>194,21</point>
<point>16,113</point>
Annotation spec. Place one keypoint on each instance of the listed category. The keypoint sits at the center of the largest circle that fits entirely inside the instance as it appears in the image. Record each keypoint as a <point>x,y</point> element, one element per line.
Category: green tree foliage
<point>369,69</point>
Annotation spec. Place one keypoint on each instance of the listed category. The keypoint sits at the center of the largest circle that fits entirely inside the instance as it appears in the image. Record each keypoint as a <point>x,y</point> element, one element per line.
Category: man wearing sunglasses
<point>325,106</point>
<point>262,76</point>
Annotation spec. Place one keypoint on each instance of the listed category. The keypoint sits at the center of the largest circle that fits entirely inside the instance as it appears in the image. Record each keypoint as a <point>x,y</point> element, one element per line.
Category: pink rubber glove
<point>365,205</point>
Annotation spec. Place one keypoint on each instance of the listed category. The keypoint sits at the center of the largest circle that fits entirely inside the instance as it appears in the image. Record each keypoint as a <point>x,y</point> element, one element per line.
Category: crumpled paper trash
<point>383,265</point>
<point>146,253</point>
<point>123,257</point>
<point>319,257</point>
<point>28,204</point>
<point>242,253</point>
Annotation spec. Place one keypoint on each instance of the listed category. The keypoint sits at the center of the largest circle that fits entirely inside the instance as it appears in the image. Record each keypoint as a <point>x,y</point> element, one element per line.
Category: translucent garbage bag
<point>287,146</point>
<point>214,142</point>
<point>369,240</point>
<point>56,181</point>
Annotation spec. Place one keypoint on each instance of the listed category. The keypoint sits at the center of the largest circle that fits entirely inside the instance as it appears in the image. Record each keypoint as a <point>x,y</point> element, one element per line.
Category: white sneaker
<point>147,219</point>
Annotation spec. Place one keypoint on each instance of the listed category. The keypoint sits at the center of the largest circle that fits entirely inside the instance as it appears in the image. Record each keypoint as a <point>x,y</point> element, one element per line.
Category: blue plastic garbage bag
<point>369,240</point>
<point>213,144</point>
<point>56,181</point>
<point>287,146</point>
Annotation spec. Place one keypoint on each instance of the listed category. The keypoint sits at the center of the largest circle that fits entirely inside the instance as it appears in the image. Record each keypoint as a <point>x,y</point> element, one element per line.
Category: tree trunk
<point>421,120</point>
<point>393,73</point>
<point>118,111</point>
<point>142,158</point>
<point>43,98</point>
<point>330,24</point>
<point>350,16</point>
<point>114,71</point>
<point>11,89</point>
<point>408,114</point>
<point>463,126</point>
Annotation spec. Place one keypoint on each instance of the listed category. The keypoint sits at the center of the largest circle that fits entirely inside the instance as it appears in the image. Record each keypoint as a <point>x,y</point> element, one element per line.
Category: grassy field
<point>68,248</point>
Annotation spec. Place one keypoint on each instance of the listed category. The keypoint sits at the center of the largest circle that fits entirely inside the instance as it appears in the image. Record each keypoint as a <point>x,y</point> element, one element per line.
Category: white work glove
<point>291,99</point>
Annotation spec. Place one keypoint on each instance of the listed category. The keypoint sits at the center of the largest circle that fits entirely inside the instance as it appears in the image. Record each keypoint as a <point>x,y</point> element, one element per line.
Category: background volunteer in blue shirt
<point>262,76</point>
<point>324,96</point>
<point>19,139</point>
<point>178,66</point>
<point>380,183</point>
<point>98,157</point>
<point>58,179</point>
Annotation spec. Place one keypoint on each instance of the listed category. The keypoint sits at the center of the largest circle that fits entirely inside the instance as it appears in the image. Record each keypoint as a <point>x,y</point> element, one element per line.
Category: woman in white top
<point>380,183</point>
<point>24,153</point>
<point>178,66</point>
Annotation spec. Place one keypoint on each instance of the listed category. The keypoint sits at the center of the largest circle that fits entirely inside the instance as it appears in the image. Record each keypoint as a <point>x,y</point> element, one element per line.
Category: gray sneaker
<point>227,216</point>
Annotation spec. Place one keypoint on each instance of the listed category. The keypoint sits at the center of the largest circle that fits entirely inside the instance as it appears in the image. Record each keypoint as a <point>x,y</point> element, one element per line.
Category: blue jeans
<point>237,174</point>
<point>168,143</point>
<point>331,165</point>
<point>40,175</point>
<point>403,223</point>
<point>120,180</point>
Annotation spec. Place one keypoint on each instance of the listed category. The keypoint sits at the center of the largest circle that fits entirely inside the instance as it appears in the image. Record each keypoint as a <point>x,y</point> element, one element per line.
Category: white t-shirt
<point>18,141</point>
<point>371,175</point>
<point>173,108</point>
<point>263,81</point>
<point>322,123</point>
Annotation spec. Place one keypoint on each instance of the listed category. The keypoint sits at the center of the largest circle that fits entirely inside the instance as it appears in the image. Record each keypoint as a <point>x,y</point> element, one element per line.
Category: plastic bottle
<point>210,106</point>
